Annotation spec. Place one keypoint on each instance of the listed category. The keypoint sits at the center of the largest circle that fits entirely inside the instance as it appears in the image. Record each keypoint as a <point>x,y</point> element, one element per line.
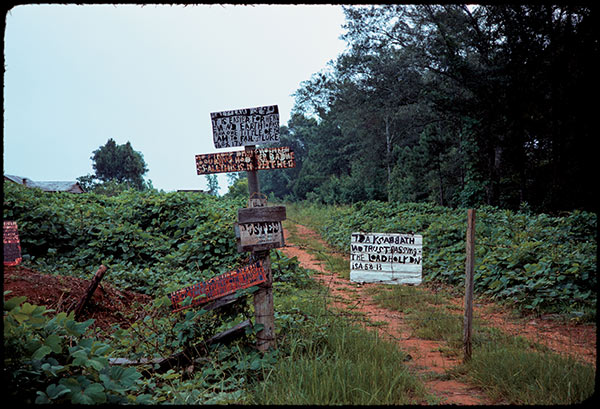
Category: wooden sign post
<point>259,226</point>
<point>469,269</point>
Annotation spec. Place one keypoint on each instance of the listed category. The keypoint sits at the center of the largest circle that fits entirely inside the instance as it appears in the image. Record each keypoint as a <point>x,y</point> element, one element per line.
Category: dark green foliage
<point>147,239</point>
<point>49,359</point>
<point>453,105</point>
<point>535,262</point>
<point>119,163</point>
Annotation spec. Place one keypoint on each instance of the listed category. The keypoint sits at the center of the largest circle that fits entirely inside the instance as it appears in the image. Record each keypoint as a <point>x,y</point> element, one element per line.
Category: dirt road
<point>426,358</point>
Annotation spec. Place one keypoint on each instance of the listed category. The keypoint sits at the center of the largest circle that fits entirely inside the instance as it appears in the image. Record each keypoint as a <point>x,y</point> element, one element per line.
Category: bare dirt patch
<point>107,306</point>
<point>427,357</point>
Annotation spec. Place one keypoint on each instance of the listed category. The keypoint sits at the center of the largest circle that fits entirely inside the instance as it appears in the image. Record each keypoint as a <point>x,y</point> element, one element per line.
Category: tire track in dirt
<point>426,359</point>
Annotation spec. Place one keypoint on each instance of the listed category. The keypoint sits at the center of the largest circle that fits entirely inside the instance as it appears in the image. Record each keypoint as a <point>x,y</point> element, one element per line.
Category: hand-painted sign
<point>219,286</point>
<point>12,246</point>
<point>259,228</point>
<point>240,161</point>
<point>249,126</point>
<point>388,258</point>
<point>259,236</point>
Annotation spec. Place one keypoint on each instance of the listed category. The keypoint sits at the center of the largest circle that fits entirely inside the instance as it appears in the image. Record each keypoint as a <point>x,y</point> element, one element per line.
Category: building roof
<point>53,186</point>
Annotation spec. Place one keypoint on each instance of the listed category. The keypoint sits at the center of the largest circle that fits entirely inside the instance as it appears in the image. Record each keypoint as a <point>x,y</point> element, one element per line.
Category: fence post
<point>263,298</point>
<point>469,268</point>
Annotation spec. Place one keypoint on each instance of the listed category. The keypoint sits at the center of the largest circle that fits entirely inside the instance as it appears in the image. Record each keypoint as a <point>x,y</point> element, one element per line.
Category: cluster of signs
<point>375,257</point>
<point>387,258</point>
<point>12,246</point>
<point>259,226</point>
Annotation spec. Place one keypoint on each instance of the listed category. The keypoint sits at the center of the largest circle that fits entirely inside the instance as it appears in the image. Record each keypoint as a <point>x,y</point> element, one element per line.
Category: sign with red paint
<point>219,286</point>
<point>12,246</point>
<point>245,161</point>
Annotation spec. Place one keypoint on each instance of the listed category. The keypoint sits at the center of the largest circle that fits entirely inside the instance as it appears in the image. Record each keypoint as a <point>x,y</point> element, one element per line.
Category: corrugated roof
<point>53,186</point>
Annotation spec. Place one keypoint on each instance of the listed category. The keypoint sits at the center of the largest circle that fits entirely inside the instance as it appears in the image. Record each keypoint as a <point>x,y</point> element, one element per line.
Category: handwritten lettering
<point>241,127</point>
<point>219,286</point>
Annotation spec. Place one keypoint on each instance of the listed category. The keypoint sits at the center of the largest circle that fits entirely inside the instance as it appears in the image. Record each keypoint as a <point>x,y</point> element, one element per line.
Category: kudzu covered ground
<point>154,243</point>
<point>536,262</point>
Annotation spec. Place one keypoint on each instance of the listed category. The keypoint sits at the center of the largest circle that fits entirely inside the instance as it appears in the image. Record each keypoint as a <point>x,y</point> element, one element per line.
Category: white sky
<point>76,76</point>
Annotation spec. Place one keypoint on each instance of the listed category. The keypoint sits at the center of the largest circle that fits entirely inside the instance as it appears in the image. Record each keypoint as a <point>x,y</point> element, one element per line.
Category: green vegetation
<point>450,104</point>
<point>509,369</point>
<point>537,263</point>
<point>156,243</point>
<point>117,168</point>
<point>325,360</point>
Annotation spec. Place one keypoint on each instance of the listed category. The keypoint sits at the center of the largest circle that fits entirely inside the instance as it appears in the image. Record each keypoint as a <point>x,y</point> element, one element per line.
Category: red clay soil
<point>425,355</point>
<point>107,306</point>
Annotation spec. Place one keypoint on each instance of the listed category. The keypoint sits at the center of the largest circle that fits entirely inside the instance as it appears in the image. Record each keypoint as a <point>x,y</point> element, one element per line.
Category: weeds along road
<point>431,360</point>
<point>427,359</point>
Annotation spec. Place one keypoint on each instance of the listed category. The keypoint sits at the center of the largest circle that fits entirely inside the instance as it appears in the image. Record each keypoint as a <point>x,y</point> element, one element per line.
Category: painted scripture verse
<point>249,126</point>
<point>12,246</point>
<point>389,258</point>
<point>240,161</point>
<point>219,286</point>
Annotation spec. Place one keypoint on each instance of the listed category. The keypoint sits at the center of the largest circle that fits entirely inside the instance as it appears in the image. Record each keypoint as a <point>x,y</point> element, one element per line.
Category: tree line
<point>451,104</point>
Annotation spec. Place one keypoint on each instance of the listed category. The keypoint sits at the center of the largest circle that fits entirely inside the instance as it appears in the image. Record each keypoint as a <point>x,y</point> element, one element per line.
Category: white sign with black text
<point>388,258</point>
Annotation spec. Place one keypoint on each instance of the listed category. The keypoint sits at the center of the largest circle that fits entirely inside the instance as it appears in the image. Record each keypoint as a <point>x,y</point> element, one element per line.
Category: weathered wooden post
<point>259,226</point>
<point>469,269</point>
<point>264,313</point>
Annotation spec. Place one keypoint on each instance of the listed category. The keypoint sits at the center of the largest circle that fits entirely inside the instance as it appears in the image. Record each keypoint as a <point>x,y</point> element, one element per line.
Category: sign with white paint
<point>388,258</point>
<point>259,236</point>
<point>239,161</point>
<point>259,228</point>
<point>248,126</point>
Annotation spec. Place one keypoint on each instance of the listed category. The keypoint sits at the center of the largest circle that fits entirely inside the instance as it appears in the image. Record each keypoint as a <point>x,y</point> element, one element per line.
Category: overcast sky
<point>76,76</point>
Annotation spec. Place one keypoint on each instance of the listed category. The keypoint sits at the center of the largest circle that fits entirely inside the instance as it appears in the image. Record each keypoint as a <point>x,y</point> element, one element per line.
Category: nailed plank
<point>248,126</point>
<point>246,160</point>
<point>261,214</point>
<point>11,244</point>
<point>219,286</point>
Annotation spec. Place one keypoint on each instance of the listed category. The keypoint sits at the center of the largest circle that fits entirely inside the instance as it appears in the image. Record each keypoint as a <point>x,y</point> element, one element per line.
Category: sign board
<point>259,236</point>
<point>248,161</point>
<point>249,126</point>
<point>387,258</point>
<point>259,228</point>
<point>12,246</point>
<point>219,286</point>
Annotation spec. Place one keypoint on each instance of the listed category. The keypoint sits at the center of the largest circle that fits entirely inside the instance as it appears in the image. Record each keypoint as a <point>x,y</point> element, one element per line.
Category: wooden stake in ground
<point>263,298</point>
<point>469,269</point>
<point>90,291</point>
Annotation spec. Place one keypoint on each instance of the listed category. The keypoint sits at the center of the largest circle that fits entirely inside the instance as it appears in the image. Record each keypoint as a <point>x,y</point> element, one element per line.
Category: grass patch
<point>329,361</point>
<point>526,377</point>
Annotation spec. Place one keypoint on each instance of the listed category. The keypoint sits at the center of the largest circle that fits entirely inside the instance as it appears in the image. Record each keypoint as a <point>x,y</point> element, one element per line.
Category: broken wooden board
<point>185,357</point>
<point>219,286</point>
